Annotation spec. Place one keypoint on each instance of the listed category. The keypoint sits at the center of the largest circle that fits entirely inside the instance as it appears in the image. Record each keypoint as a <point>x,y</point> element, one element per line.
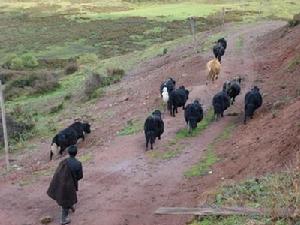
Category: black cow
<point>177,99</point>
<point>223,42</point>
<point>169,84</point>
<point>218,51</point>
<point>69,136</point>
<point>193,114</point>
<point>153,127</point>
<point>233,89</point>
<point>253,100</point>
<point>220,103</point>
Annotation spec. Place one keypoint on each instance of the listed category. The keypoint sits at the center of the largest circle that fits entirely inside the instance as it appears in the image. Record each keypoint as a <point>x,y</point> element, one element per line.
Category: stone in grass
<point>46,219</point>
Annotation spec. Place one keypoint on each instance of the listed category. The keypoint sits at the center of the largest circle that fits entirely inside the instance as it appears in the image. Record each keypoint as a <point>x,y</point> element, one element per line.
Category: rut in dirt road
<point>123,184</point>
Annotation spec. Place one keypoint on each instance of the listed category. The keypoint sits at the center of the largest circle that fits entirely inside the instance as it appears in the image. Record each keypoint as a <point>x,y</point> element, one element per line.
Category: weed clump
<point>19,126</point>
<point>32,83</point>
<point>21,62</point>
<point>295,21</point>
<point>71,68</point>
<point>92,83</point>
<point>88,58</point>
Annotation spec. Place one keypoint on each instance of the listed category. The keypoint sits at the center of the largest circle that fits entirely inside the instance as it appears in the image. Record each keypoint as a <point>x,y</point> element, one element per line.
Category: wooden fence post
<point>4,125</point>
<point>193,29</point>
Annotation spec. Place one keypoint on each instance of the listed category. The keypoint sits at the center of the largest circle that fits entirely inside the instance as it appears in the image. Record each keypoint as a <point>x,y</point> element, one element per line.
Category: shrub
<point>92,83</point>
<point>24,61</point>
<point>71,68</point>
<point>17,127</point>
<point>88,58</point>
<point>47,81</point>
<point>114,75</point>
<point>32,83</point>
<point>7,61</point>
<point>295,21</point>
<point>16,63</point>
<point>29,60</point>
<point>115,72</point>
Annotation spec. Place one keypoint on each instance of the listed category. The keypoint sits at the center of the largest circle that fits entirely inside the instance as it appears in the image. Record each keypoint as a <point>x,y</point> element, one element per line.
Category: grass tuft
<point>209,158</point>
<point>202,167</point>
<point>132,127</point>
<point>165,155</point>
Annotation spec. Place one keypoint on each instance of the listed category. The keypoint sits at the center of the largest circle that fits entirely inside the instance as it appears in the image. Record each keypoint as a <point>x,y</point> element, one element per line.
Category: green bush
<point>16,63</point>
<point>19,127</point>
<point>29,60</point>
<point>295,21</point>
<point>24,61</point>
<point>88,58</point>
<point>92,83</point>
<point>71,68</point>
<point>31,83</point>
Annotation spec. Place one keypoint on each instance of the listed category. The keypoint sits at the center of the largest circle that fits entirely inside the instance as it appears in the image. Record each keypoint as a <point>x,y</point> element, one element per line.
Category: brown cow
<point>213,70</point>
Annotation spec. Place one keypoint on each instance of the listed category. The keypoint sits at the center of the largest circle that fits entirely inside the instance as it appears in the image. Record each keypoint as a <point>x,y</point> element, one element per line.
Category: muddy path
<point>122,184</point>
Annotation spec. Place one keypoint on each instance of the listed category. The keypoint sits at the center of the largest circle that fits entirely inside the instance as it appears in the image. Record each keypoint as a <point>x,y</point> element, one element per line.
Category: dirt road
<point>122,185</point>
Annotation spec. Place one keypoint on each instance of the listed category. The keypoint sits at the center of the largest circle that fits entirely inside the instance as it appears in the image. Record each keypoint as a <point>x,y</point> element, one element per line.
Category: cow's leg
<point>82,137</point>
<point>147,142</point>
<point>51,155</point>
<point>159,137</point>
<point>171,110</point>
<point>62,149</point>
<point>222,114</point>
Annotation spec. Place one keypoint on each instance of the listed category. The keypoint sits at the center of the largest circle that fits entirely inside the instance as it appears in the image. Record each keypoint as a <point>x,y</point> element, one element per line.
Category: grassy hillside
<point>41,38</point>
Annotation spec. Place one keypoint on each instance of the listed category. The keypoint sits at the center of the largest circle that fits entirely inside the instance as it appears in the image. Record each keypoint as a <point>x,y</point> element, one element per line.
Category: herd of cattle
<point>174,98</point>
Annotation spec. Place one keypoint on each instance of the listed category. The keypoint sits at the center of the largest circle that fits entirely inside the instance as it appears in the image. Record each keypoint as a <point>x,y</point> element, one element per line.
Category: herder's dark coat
<point>62,188</point>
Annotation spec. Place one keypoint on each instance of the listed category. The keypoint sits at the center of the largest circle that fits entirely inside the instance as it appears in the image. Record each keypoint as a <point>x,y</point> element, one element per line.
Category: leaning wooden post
<point>193,29</point>
<point>223,16</point>
<point>4,125</point>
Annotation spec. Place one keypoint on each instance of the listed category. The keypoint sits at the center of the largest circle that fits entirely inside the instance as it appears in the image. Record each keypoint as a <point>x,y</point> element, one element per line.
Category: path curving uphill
<point>122,185</point>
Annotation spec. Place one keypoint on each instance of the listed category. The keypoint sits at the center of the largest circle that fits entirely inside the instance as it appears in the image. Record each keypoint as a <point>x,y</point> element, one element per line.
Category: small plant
<point>57,108</point>
<point>19,126</point>
<point>24,61</point>
<point>132,127</point>
<point>71,68</point>
<point>295,21</point>
<point>202,167</point>
<point>92,83</point>
<point>45,82</point>
<point>89,58</point>
<point>165,155</point>
<point>115,72</point>
<point>29,60</point>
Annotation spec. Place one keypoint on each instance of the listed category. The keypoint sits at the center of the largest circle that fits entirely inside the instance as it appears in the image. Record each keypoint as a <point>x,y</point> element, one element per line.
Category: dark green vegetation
<point>276,191</point>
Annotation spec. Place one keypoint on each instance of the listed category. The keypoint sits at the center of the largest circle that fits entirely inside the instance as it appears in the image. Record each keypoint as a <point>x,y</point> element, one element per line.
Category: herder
<point>64,185</point>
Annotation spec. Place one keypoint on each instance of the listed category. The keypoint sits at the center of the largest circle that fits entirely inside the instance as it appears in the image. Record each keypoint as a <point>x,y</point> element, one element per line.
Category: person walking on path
<point>64,184</point>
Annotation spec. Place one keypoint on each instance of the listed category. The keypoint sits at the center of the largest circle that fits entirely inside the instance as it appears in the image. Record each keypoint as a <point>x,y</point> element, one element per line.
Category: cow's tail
<point>53,147</point>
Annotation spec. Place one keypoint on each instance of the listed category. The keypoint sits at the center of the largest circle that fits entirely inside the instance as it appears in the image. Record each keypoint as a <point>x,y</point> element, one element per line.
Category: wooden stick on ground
<point>221,211</point>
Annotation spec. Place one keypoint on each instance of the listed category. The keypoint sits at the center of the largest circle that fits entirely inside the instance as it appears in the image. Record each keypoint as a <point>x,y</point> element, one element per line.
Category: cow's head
<point>196,102</point>
<point>255,88</point>
<point>187,94</point>
<point>86,127</point>
<point>157,113</point>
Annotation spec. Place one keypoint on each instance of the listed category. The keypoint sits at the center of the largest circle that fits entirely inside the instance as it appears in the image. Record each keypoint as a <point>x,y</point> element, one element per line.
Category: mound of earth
<point>271,141</point>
